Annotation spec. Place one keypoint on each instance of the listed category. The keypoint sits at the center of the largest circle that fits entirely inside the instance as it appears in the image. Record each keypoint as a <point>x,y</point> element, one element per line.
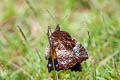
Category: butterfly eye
<point>50,65</point>
<point>57,65</point>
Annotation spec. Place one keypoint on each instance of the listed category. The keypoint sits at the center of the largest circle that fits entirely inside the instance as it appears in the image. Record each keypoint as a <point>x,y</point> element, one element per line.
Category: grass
<point>22,59</point>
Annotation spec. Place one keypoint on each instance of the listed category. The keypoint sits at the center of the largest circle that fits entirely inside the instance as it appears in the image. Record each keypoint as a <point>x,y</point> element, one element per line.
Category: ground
<point>22,55</point>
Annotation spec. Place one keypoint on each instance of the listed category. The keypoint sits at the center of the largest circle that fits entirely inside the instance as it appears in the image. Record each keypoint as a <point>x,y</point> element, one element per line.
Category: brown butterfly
<point>63,52</point>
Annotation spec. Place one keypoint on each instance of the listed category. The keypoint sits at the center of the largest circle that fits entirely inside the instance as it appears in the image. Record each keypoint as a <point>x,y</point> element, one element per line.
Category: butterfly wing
<point>80,52</point>
<point>65,57</point>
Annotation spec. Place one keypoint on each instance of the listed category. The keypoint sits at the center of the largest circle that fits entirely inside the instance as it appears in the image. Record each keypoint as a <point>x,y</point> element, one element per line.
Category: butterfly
<point>63,52</point>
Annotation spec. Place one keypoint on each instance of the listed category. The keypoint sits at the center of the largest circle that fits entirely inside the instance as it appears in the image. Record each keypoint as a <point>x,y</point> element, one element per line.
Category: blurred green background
<point>22,59</point>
